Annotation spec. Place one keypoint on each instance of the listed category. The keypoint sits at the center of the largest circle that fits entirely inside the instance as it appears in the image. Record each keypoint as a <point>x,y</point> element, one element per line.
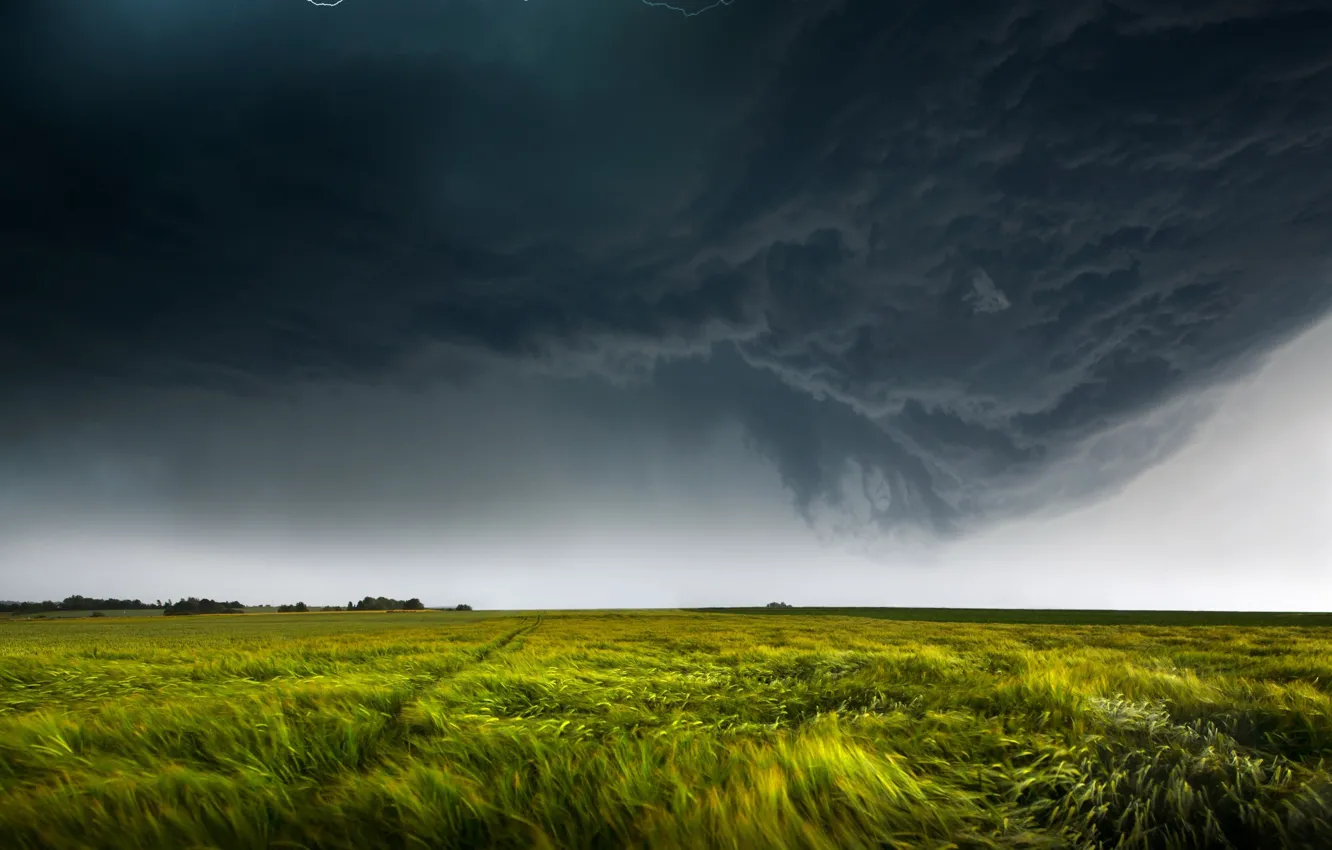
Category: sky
<point>597,303</point>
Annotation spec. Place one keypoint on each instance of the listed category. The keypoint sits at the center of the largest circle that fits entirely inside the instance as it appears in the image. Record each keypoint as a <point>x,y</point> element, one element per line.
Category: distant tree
<point>194,605</point>
<point>74,603</point>
<point>85,603</point>
<point>97,614</point>
<point>463,607</point>
<point>29,607</point>
<point>383,603</point>
<point>777,605</point>
<point>351,606</point>
<point>298,608</point>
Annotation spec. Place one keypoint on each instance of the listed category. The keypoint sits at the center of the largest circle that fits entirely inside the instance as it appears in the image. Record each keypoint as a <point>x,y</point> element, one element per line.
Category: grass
<point>67,615</point>
<point>1064,617</point>
<point>660,730</point>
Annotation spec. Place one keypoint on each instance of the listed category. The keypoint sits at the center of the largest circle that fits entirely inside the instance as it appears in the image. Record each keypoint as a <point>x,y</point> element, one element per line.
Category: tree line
<point>203,605</point>
<point>369,603</point>
<point>194,605</point>
<point>77,603</point>
<point>383,603</point>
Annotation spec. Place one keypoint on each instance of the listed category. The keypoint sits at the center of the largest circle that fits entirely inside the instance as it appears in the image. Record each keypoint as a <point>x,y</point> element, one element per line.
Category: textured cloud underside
<point>940,260</point>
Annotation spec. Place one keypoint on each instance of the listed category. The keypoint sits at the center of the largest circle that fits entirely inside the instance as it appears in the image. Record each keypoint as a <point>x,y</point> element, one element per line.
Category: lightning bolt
<point>665,4</point>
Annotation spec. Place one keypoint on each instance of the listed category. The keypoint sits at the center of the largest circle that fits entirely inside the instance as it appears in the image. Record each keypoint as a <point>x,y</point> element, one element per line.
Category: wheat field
<point>660,730</point>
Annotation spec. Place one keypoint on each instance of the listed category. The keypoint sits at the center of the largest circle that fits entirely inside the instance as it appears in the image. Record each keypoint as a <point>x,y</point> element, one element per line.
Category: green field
<point>68,615</point>
<point>660,729</point>
<point>1063,617</point>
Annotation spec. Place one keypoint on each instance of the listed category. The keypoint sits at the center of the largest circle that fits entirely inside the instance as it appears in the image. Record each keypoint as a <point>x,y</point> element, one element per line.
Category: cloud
<point>985,297</point>
<point>935,260</point>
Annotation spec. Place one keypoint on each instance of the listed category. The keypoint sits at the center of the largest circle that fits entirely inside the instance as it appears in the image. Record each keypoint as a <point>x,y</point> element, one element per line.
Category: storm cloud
<point>937,264</point>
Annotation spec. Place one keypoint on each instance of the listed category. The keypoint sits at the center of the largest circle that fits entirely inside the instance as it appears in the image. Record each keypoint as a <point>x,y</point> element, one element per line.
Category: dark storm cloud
<point>924,253</point>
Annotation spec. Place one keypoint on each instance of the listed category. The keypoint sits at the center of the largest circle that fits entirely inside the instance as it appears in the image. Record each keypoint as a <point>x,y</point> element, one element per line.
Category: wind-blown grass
<point>660,730</point>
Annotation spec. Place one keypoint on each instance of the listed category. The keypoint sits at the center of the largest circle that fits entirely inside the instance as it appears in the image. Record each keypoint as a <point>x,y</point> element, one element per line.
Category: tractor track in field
<point>480,655</point>
<point>505,640</point>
